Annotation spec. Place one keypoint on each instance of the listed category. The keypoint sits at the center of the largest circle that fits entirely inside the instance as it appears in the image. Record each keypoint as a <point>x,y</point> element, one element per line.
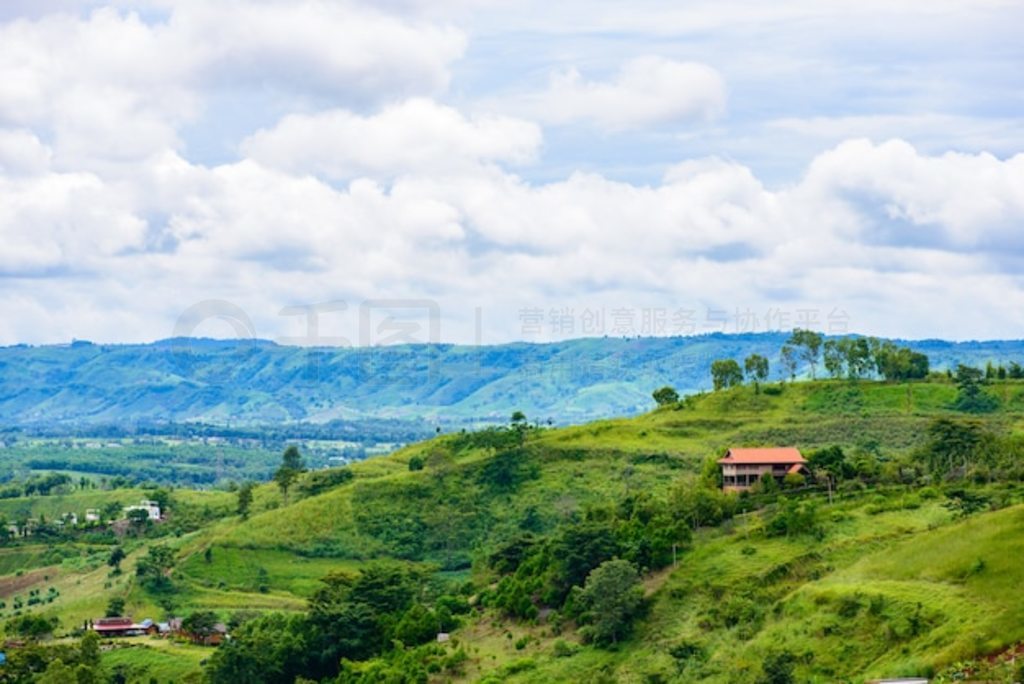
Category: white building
<point>92,515</point>
<point>152,508</point>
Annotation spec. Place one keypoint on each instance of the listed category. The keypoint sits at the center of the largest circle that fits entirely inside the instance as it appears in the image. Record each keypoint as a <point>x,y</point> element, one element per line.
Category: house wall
<point>737,477</point>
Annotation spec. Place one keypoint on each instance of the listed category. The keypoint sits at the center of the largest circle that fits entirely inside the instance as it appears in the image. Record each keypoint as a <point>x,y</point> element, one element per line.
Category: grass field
<point>893,586</point>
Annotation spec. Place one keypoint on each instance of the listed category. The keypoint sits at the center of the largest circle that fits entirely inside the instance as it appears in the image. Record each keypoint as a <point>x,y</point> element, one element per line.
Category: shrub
<point>563,649</point>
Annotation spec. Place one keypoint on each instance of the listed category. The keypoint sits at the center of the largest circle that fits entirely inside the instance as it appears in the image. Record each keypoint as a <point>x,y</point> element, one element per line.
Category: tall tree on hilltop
<point>726,373</point>
<point>757,370</point>
<point>788,361</point>
<point>291,467</point>
<point>809,344</point>
<point>665,396</point>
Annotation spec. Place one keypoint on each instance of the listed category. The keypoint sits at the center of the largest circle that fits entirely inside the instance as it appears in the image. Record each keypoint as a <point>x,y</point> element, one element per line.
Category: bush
<point>319,481</point>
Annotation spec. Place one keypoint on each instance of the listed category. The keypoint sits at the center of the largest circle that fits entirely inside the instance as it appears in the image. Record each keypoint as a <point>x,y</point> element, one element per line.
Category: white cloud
<point>64,222</point>
<point>110,87</point>
<point>711,234</point>
<point>338,48</point>
<point>359,165</point>
<point>21,152</point>
<point>646,91</point>
<point>966,200</point>
<point>415,136</point>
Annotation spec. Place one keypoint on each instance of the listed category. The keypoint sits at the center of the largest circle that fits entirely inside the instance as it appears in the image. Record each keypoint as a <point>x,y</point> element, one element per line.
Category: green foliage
<point>971,398</point>
<point>963,502</point>
<point>291,467</point>
<point>115,607</point>
<point>900,363</point>
<point>201,623</point>
<point>778,668</point>
<point>850,355</point>
<point>700,505</point>
<point>807,345</point>
<point>32,626</point>
<point>244,504</point>
<point>665,396</point>
<point>794,517</point>
<point>726,373</point>
<point>831,461</point>
<point>153,568</point>
<point>507,470</point>
<point>116,556</point>
<point>756,367</point>
<point>788,361</point>
<point>611,598</point>
<point>953,445</point>
<point>320,481</point>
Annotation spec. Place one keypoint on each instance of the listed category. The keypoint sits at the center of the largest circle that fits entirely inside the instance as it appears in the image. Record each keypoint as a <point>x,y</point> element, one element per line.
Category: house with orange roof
<point>743,468</point>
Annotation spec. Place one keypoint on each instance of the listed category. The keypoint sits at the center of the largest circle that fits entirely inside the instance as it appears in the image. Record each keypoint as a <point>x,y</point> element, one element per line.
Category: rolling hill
<point>888,580</point>
<point>262,383</point>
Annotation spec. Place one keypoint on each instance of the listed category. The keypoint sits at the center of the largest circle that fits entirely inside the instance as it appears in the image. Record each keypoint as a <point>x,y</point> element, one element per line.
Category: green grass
<point>145,660</point>
<point>248,570</point>
<point>811,596</point>
<point>815,599</point>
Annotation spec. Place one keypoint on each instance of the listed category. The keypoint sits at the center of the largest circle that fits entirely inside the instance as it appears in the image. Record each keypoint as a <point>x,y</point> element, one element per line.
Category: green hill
<point>254,382</point>
<point>897,576</point>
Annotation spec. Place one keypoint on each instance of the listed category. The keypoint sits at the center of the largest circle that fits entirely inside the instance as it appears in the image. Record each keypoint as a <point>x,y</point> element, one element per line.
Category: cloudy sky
<point>517,170</point>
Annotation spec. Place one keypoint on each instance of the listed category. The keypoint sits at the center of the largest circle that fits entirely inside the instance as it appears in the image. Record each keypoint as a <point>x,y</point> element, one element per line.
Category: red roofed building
<point>114,626</point>
<point>122,626</point>
<point>742,468</point>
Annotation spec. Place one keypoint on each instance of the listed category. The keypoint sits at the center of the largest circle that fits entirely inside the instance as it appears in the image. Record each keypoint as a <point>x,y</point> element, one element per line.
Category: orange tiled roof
<point>779,455</point>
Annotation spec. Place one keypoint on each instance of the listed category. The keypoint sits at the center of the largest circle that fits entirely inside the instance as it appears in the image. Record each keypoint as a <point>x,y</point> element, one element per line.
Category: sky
<point>327,172</point>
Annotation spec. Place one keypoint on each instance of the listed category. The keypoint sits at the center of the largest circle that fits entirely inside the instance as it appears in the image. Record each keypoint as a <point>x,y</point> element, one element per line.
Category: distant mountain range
<point>261,383</point>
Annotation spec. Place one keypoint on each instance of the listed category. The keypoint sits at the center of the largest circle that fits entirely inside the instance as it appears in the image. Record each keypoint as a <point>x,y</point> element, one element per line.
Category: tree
<point>788,361</point>
<point>152,568</point>
<point>1016,371</point>
<point>200,625</point>
<point>829,464</point>
<point>858,357</point>
<point>697,505</point>
<point>808,343</point>
<point>611,599</point>
<point>115,607</point>
<point>726,373</point>
<point>519,425</point>
<point>291,467</point>
<point>665,396</point>
<point>899,363</point>
<point>139,518</point>
<point>89,649</point>
<point>963,503</point>
<point>756,367</point>
<point>952,445</point>
<point>834,358</point>
<point>245,500</point>
<point>57,673</point>
<point>970,397</point>
<point>31,626</point>
<point>116,556</point>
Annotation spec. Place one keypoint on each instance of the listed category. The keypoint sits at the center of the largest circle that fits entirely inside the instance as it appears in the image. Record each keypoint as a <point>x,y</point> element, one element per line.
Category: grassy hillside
<point>889,581</point>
